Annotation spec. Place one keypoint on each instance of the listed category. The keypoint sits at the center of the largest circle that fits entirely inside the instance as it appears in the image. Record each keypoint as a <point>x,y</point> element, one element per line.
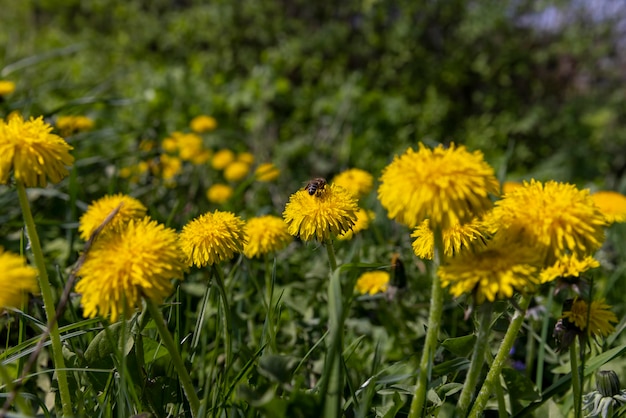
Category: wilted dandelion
<point>265,234</point>
<point>455,239</point>
<point>372,282</point>
<point>16,281</point>
<point>123,267</point>
<point>98,211</point>
<point>611,204</point>
<point>356,181</point>
<point>219,193</point>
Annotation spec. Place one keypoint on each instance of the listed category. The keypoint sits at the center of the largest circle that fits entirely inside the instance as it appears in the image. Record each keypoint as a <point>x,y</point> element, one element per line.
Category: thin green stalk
<point>177,360</point>
<point>219,283</point>
<point>478,357</point>
<point>332,260</point>
<point>434,322</point>
<point>48,301</point>
<point>576,386</point>
<point>269,288</point>
<point>501,358</point>
<point>544,337</point>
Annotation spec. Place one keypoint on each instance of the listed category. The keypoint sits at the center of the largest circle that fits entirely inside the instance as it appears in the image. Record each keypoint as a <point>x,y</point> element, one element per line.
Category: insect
<point>316,186</point>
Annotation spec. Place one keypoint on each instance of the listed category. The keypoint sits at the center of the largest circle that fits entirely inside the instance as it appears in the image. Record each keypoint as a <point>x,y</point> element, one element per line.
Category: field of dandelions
<point>258,211</point>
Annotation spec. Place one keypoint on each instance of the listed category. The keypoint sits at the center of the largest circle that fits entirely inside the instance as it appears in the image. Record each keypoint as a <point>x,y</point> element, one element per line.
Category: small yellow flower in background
<point>33,153</point>
<point>169,167</point>
<point>556,218</point>
<point>202,157</point>
<point>211,238</point>
<point>494,273</point>
<point>6,87</point>
<point>135,171</point>
<point>265,234</point>
<point>69,125</point>
<point>236,171</point>
<point>222,158</point>
<point>267,172</point>
<point>98,211</point>
<point>598,316</point>
<point>246,157</point>
<point>203,123</point>
<point>219,193</point>
<point>509,186</point>
<point>455,239</point>
<point>121,268</point>
<point>568,266</point>
<point>449,186</point>
<point>189,146</point>
<point>170,144</point>
<point>333,212</point>
<point>356,181</point>
<point>611,204</point>
<point>16,281</point>
<point>363,219</point>
<point>372,282</point>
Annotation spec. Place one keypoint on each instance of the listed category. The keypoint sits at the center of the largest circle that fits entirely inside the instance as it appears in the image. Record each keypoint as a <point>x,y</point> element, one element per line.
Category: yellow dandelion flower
<point>332,212</point>
<point>33,154</point>
<point>449,186</point>
<point>494,273</point>
<point>222,158</point>
<point>121,268</point>
<point>189,146</point>
<point>455,239</point>
<point>568,266</point>
<point>236,171</point>
<point>595,319</point>
<point>6,87</point>
<point>363,219</point>
<point>267,172</point>
<point>203,123</point>
<point>16,281</point>
<point>372,282</point>
<point>265,234</point>
<point>169,167</point>
<point>98,211</point>
<point>611,204</point>
<point>219,193</point>
<point>246,157</point>
<point>69,125</point>
<point>356,181</point>
<point>556,218</point>
<point>211,238</point>
<point>170,144</point>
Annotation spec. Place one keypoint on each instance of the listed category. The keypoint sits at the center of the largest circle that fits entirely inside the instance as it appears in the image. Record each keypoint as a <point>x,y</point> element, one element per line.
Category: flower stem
<point>478,357</point>
<point>172,347</point>
<point>576,386</point>
<point>219,283</point>
<point>269,288</point>
<point>434,322</point>
<point>544,337</point>
<point>501,357</point>
<point>48,301</point>
<point>330,249</point>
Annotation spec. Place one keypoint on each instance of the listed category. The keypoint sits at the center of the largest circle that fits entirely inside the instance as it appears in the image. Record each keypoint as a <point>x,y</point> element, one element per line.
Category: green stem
<point>177,360</point>
<point>330,249</point>
<point>434,322</point>
<point>478,357</point>
<point>219,283</point>
<point>576,386</point>
<point>501,358</point>
<point>269,288</point>
<point>48,301</point>
<point>544,337</point>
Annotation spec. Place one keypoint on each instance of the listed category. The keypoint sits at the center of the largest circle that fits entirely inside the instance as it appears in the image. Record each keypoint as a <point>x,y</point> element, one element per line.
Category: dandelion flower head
<point>32,152</point>
<point>246,157</point>
<point>190,146</point>
<point>236,171</point>
<point>363,219</point>
<point>203,123</point>
<point>611,204</point>
<point>211,238</point>
<point>98,211</point>
<point>6,87</point>
<point>72,124</point>
<point>331,211</point>
<point>356,181</point>
<point>372,282</point>
<point>556,217</point>
<point>222,158</point>
<point>596,319</point>
<point>455,239</point>
<point>266,172</point>
<point>449,186</point>
<point>16,281</point>
<point>139,261</point>
<point>219,193</point>
<point>568,266</point>
<point>265,234</point>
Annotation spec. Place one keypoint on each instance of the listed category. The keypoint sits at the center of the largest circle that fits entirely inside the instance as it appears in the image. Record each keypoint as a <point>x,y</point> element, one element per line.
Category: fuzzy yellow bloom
<point>611,204</point>
<point>246,157</point>
<point>455,239</point>
<point>6,87</point>
<point>219,193</point>
<point>222,158</point>
<point>363,219</point>
<point>332,212</point>
<point>16,281</point>
<point>169,167</point>
<point>449,186</point>
<point>32,153</point>
<point>556,218</point>
<point>356,181</point>
<point>69,125</point>
<point>98,211</point>
<point>568,266</point>
<point>265,234</point>
<point>509,186</point>
<point>372,282</point>
<point>211,238</point>
<point>170,144</point>
<point>595,319</point>
<point>203,123</point>
<point>267,172</point>
<point>236,171</point>
<point>123,267</point>
<point>189,146</point>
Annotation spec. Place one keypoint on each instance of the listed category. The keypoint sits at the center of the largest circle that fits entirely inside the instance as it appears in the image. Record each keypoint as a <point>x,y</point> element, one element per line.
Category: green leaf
<point>460,346</point>
<point>519,385</point>
<point>277,368</point>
